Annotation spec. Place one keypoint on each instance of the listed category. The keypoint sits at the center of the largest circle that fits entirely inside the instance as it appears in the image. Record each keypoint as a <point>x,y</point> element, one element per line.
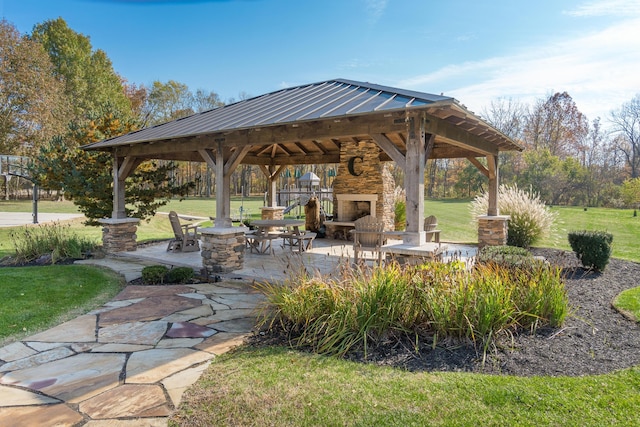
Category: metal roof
<point>323,100</point>
<point>309,124</point>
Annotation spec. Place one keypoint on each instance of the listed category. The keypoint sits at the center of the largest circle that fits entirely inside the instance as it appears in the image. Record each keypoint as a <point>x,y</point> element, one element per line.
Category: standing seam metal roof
<point>332,98</point>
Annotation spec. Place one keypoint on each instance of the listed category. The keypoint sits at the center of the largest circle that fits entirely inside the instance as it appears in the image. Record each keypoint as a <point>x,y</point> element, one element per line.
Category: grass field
<point>35,298</point>
<point>277,386</point>
<point>454,219</point>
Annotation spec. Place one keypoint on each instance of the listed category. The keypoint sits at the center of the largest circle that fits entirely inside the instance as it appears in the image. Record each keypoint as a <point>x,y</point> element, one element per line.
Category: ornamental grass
<point>435,301</point>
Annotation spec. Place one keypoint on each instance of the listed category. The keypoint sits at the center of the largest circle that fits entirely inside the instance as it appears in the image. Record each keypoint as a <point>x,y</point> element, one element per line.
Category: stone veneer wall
<point>119,235</point>
<point>375,178</point>
<point>222,249</point>
<point>492,230</point>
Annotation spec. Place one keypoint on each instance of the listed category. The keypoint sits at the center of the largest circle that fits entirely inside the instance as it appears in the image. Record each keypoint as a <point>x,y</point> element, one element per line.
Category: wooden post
<point>122,168</point>
<point>492,163</point>
<point>118,189</point>
<point>223,185</point>
<point>414,179</point>
<point>272,191</point>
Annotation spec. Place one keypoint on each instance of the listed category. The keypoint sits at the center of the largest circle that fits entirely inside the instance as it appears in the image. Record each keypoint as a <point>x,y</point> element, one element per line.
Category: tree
<point>626,126</point>
<point>167,101</point>
<point>556,124</point>
<point>33,107</point>
<point>470,181</point>
<point>506,115</point>
<point>542,174</point>
<point>631,192</point>
<point>89,78</point>
<point>86,176</point>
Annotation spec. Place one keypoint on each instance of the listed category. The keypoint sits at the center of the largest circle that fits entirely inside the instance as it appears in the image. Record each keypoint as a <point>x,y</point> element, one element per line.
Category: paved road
<point>13,219</point>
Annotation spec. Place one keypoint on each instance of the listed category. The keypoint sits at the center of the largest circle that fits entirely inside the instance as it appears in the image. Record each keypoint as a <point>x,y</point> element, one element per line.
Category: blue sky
<point>475,51</point>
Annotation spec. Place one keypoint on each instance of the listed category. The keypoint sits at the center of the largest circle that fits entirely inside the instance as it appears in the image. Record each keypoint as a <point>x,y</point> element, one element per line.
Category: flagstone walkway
<point>127,363</point>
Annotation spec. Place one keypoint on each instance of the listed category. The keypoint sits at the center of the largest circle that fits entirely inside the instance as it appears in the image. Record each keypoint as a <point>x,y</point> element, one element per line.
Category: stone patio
<point>127,363</point>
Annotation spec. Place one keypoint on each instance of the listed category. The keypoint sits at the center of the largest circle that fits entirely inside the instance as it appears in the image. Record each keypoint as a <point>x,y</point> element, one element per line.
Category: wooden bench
<point>261,243</point>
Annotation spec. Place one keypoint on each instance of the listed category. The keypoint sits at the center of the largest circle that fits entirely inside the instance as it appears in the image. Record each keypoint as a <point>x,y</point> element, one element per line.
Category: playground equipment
<point>11,166</point>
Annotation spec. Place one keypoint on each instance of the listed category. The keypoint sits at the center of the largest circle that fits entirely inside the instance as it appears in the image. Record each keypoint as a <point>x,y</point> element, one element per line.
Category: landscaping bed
<point>595,338</point>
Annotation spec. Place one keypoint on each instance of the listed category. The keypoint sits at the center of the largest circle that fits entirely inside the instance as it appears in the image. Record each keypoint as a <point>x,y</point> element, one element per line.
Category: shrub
<point>154,274</point>
<point>435,300</point>
<point>593,248</point>
<point>55,240</point>
<point>506,256</point>
<point>179,275</point>
<point>530,219</point>
<point>399,209</point>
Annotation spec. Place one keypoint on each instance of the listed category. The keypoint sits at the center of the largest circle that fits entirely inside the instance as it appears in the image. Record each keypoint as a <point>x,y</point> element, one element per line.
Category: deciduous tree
<point>89,77</point>
<point>626,126</point>
<point>86,177</point>
<point>33,107</point>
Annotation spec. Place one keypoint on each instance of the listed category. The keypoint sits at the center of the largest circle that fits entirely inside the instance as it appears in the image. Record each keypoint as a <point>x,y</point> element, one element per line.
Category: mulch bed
<point>595,339</point>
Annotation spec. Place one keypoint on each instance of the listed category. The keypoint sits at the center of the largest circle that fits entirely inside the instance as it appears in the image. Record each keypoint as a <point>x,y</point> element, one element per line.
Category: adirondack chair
<point>185,236</point>
<point>431,228</point>
<point>368,236</point>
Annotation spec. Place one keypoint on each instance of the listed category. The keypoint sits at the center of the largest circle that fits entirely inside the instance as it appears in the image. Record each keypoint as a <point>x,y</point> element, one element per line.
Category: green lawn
<point>277,386</point>
<point>454,219</point>
<point>36,298</point>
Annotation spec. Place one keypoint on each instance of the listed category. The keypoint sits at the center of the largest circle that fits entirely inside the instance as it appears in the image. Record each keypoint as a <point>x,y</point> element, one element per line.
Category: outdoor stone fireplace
<point>363,185</point>
<point>353,206</point>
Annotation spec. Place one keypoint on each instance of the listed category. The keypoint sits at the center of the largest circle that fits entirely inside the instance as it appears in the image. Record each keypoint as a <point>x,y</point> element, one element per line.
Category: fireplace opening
<point>354,206</point>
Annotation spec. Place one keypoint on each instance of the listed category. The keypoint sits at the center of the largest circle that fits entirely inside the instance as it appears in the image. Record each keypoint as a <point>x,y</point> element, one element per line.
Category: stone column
<point>275,212</point>
<point>222,249</point>
<point>119,234</point>
<point>492,230</point>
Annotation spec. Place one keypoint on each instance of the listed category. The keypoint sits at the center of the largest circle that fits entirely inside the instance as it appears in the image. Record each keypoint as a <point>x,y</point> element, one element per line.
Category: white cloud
<point>599,70</point>
<point>607,8</point>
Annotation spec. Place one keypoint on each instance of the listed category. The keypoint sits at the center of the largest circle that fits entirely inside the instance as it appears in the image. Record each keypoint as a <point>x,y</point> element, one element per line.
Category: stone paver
<point>128,363</point>
<point>127,401</point>
<point>49,415</point>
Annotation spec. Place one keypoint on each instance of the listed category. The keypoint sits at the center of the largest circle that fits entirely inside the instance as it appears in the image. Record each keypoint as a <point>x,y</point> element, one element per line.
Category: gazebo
<point>317,123</point>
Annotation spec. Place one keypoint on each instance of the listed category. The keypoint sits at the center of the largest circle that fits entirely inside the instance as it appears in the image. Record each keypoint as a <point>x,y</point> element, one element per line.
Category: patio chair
<point>303,241</point>
<point>368,235</point>
<point>185,236</point>
<point>431,228</point>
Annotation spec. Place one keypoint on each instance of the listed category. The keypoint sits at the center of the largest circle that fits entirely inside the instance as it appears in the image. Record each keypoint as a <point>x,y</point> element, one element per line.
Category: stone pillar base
<point>222,249</point>
<point>272,212</point>
<point>275,212</point>
<point>119,234</point>
<point>492,230</point>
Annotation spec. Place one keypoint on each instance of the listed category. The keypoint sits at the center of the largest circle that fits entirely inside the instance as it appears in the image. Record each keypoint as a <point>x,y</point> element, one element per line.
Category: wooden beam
<point>299,159</point>
<point>454,135</point>
<point>390,148</point>
<point>208,157</point>
<point>430,142</point>
<point>234,159</point>
<point>128,165</point>
<point>479,165</point>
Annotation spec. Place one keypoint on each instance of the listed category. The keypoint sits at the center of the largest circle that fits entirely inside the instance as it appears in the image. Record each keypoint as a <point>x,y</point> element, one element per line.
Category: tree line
<point>57,93</point>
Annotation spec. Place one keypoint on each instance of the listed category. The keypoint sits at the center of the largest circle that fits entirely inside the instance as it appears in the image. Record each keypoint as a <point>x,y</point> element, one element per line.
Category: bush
<point>54,240</point>
<point>593,248</point>
<point>506,256</point>
<point>179,275</point>
<point>154,274</point>
<point>432,301</point>
<point>399,209</point>
<point>530,219</point>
